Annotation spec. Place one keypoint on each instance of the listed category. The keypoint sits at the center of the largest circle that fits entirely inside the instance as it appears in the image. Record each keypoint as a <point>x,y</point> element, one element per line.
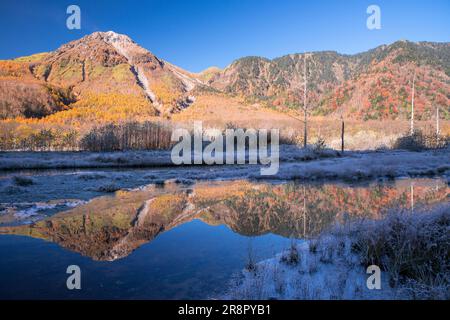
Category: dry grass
<point>414,249</point>
<point>219,111</point>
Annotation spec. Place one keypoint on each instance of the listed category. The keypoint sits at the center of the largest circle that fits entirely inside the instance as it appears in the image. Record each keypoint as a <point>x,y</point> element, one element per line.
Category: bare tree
<point>437,120</point>
<point>342,133</point>
<point>437,125</point>
<point>412,103</point>
<point>305,108</point>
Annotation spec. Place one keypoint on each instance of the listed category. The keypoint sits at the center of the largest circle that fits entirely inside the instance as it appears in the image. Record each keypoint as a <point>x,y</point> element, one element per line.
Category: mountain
<point>372,85</point>
<point>104,70</point>
<point>96,65</point>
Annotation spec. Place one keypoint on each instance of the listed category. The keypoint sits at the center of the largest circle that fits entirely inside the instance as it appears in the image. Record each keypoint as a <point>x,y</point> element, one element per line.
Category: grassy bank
<point>412,249</point>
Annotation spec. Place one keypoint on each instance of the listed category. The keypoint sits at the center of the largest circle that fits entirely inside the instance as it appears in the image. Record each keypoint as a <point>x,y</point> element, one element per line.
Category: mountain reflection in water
<point>111,227</point>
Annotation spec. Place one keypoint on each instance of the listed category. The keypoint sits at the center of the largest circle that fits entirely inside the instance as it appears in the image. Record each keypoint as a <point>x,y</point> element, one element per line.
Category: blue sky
<point>196,34</point>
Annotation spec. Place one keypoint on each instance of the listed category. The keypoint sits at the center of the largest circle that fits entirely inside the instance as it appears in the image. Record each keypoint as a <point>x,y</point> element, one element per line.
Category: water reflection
<point>111,227</point>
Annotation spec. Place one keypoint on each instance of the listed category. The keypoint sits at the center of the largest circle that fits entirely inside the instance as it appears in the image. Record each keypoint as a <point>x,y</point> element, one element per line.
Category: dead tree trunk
<point>437,120</point>
<point>342,135</point>
<point>437,125</point>
<point>305,109</point>
<point>412,103</point>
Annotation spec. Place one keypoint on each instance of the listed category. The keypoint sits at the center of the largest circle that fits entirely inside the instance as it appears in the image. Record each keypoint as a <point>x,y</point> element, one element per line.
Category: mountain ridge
<point>280,80</point>
<point>374,84</point>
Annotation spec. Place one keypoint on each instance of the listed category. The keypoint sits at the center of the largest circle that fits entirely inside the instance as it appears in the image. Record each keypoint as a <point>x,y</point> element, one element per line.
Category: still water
<point>183,241</point>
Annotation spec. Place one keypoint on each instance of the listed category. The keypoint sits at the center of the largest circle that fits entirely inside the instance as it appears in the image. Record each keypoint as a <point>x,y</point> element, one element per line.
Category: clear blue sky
<point>195,34</point>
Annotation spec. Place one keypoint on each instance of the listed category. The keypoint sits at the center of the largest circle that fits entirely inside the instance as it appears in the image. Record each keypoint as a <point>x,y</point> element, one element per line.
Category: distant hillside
<point>372,85</point>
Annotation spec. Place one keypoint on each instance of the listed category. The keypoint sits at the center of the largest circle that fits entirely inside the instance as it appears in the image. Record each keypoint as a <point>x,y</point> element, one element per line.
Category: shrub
<point>292,137</point>
<point>109,188</point>
<point>413,249</point>
<point>291,257</point>
<point>160,183</point>
<point>419,141</point>
<point>22,181</point>
<point>319,145</point>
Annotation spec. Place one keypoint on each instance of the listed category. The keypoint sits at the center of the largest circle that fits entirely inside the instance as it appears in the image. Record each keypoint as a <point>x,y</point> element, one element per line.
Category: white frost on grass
<point>332,272</point>
<point>295,163</point>
<point>72,160</point>
<point>367,165</point>
<point>413,248</point>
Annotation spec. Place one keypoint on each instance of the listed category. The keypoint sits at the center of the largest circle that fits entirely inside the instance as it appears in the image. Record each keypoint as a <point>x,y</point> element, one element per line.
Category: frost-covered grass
<point>66,160</point>
<point>367,165</point>
<point>412,250</point>
<point>129,159</point>
<point>295,163</point>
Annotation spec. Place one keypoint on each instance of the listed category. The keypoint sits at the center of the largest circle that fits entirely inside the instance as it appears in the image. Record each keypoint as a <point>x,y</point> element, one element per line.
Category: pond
<point>175,240</point>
